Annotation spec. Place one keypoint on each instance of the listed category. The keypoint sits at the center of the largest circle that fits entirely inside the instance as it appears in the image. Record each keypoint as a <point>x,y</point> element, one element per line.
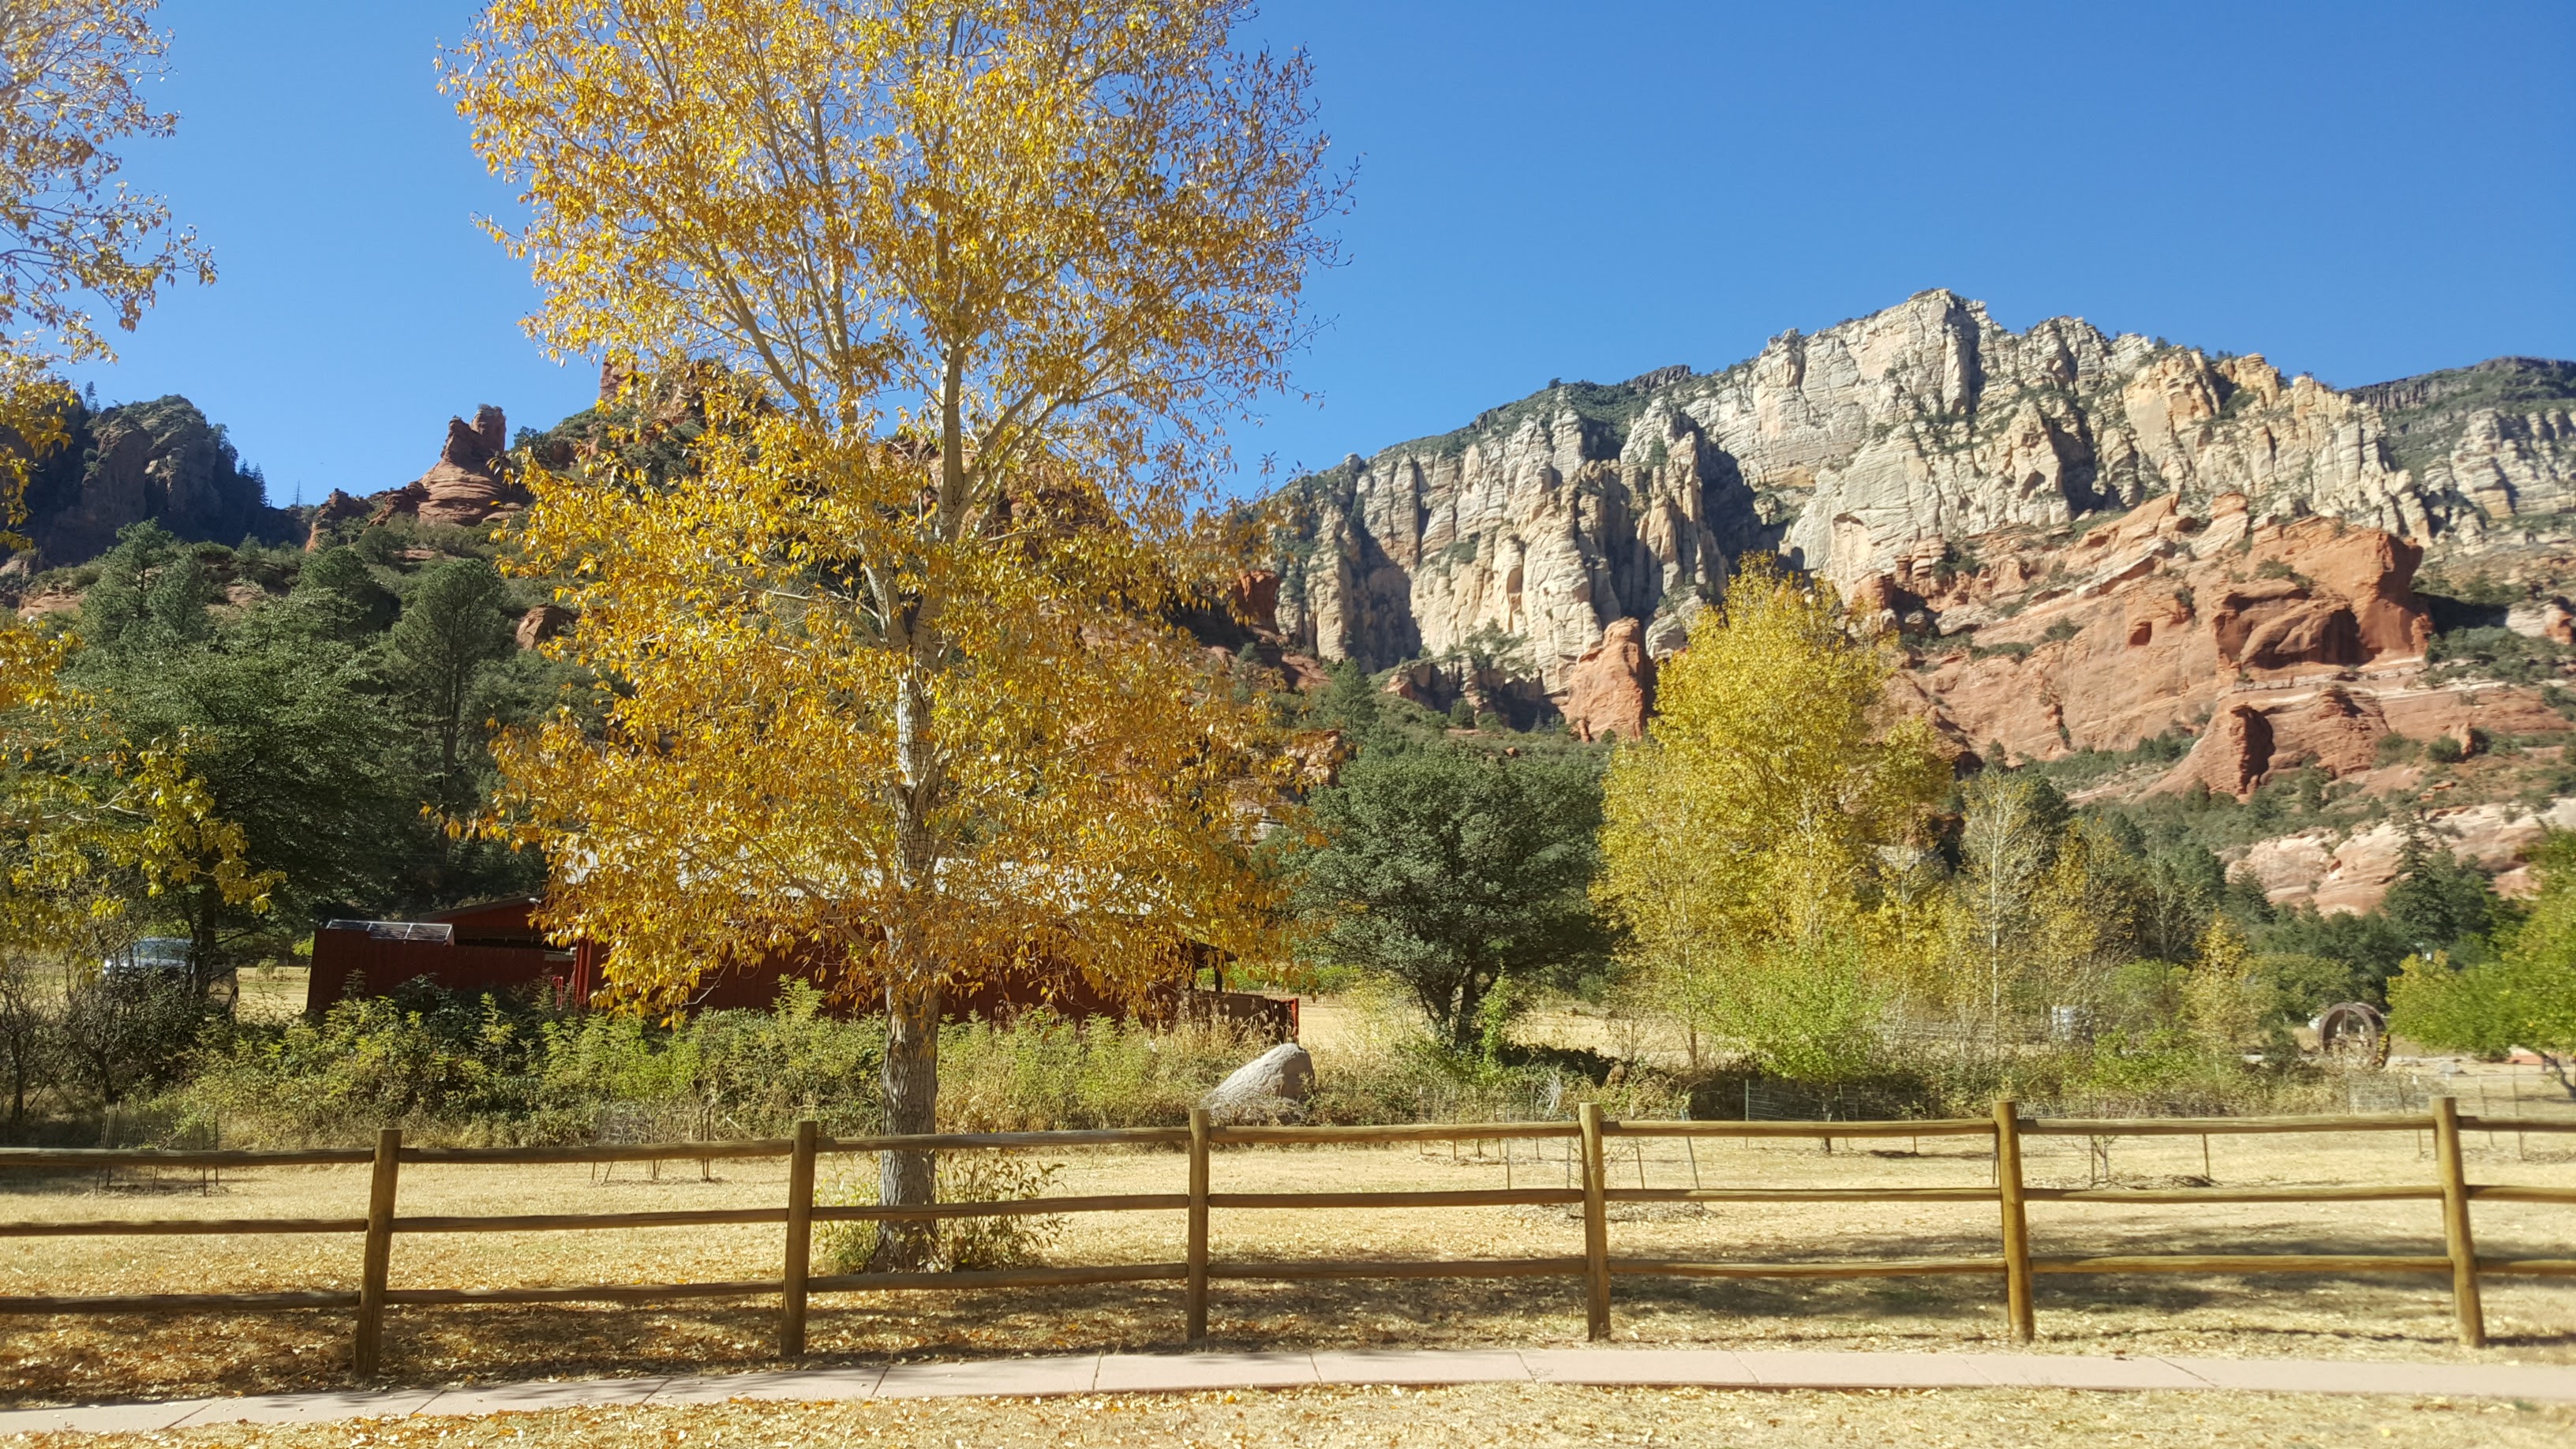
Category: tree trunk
<point>203,925</point>
<point>911,1082</point>
<point>911,1073</point>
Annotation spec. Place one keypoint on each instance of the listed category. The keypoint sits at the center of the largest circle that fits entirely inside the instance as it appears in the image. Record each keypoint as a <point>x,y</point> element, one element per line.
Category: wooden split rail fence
<point>2015,1264</point>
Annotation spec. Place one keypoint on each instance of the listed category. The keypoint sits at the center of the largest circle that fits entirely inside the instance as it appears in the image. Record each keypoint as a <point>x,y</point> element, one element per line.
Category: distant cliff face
<point>1891,438</point>
<point>2499,435</point>
<point>1523,535</point>
<point>159,460</point>
<point>163,460</point>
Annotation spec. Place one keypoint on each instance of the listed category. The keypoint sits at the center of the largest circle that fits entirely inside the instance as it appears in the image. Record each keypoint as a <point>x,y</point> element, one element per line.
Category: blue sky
<point>2355,190</point>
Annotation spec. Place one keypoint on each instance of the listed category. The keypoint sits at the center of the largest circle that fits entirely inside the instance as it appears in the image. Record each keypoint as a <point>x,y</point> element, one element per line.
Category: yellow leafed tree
<point>2222,999</point>
<point>83,810</point>
<point>2038,917</point>
<point>887,668</point>
<point>1742,833</point>
<point>72,74</point>
<point>84,807</point>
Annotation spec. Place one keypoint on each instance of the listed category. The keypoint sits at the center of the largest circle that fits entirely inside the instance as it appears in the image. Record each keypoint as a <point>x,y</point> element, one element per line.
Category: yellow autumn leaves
<point>971,289</point>
<point>1799,881</point>
<point>84,812</point>
<point>1751,839</point>
<point>89,816</point>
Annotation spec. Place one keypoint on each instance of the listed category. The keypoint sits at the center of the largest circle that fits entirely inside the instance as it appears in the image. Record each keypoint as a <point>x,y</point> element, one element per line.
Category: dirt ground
<point>2333,1316</point>
<point>1516,1415</point>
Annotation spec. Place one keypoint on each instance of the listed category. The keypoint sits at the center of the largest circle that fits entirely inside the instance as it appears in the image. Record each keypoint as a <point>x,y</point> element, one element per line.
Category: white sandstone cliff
<point>1893,436</point>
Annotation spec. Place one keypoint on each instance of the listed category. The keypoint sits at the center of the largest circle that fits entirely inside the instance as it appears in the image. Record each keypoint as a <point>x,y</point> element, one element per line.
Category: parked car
<point>150,956</point>
<point>167,958</point>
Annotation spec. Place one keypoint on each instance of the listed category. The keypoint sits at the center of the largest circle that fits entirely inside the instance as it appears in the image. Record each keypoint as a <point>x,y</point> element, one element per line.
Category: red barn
<point>496,947</point>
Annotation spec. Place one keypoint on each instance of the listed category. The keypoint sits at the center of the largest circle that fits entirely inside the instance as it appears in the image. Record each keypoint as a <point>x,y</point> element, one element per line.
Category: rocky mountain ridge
<point>1508,547</point>
<point>2197,573</point>
<point>163,460</point>
<point>159,459</point>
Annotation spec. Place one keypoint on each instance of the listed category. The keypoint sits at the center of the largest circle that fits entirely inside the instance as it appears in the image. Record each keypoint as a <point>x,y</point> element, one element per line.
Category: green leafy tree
<point>293,742</point>
<point>2301,985</point>
<point>2043,914</point>
<point>2438,905</point>
<point>338,587</point>
<point>1350,701</point>
<point>1452,872</point>
<point>2438,902</point>
<point>2368,946</point>
<point>2180,888</point>
<point>2525,996</point>
<point>2008,850</point>
<point>152,592</point>
<point>454,627</point>
<point>93,817</point>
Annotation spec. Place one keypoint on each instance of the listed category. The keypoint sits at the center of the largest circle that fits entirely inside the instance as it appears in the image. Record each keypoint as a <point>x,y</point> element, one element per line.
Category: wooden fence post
<point>800,1242</point>
<point>2025,1325</point>
<point>368,1351</point>
<point>1198,1266</point>
<point>2455,1223</point>
<point>1596,1227</point>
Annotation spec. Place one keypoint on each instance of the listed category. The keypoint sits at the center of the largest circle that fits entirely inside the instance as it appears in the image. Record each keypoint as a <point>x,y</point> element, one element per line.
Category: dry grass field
<point>57,1359</point>
<point>1520,1416</point>
<point>270,993</point>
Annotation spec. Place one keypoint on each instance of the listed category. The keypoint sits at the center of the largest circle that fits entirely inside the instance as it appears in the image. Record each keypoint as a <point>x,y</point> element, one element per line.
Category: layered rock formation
<point>2158,621</point>
<point>469,483</point>
<point>338,508</point>
<point>1525,535</point>
<point>159,460</point>
<point>2501,434</point>
<point>1885,446</point>
<point>2272,646</point>
<point>2324,871</point>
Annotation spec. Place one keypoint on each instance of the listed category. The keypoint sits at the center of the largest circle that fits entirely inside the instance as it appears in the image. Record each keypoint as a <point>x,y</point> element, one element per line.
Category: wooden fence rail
<point>1590,1135</point>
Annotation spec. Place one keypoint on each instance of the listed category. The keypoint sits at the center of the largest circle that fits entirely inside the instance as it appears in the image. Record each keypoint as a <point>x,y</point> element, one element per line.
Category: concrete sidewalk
<point>1177,1373</point>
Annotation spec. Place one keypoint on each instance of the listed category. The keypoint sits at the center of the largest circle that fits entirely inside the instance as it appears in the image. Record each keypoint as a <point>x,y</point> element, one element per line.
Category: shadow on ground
<point>65,1359</point>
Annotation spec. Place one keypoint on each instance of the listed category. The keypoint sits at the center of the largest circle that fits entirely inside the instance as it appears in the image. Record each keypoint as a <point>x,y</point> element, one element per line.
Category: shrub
<point>725,1073</point>
<point>30,1033</point>
<point>963,1244</point>
<point>118,1036</point>
<point>492,1068</point>
<point>485,1068</point>
<point>431,1061</point>
<point>2496,653</point>
<point>1040,1071</point>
